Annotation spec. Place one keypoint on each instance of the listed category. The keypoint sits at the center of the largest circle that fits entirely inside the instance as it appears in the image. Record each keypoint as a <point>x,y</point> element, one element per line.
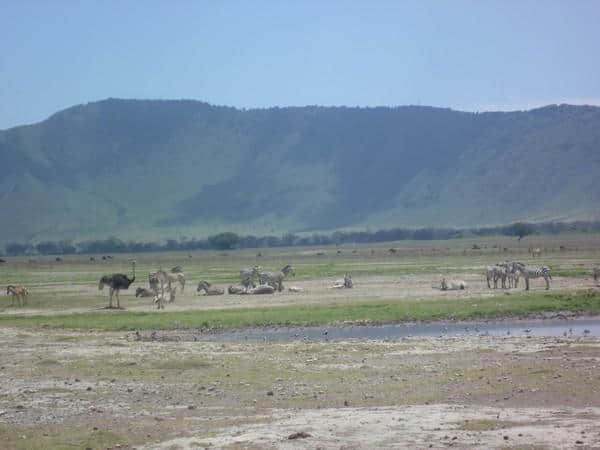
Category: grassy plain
<point>388,286</point>
<point>74,375</point>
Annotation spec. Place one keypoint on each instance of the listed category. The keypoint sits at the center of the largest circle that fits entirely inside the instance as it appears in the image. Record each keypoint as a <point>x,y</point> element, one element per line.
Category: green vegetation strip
<point>519,304</point>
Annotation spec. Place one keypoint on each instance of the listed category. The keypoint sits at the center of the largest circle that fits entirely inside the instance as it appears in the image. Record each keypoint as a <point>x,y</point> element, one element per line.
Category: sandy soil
<point>103,390</point>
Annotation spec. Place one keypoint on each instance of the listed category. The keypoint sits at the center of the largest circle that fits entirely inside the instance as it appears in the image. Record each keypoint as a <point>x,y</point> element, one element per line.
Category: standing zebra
<point>249,275</point>
<point>276,280</point>
<point>495,273</point>
<point>534,272</point>
<point>596,273</point>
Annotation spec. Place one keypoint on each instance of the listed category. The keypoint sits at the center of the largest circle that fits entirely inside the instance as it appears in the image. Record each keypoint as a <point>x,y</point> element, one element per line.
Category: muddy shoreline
<point>551,324</point>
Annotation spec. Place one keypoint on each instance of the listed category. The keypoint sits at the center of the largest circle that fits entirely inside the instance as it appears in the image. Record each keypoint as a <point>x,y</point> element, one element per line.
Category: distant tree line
<point>229,240</point>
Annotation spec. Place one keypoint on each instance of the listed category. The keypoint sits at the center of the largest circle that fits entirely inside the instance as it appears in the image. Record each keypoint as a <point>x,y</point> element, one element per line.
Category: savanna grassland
<point>75,375</point>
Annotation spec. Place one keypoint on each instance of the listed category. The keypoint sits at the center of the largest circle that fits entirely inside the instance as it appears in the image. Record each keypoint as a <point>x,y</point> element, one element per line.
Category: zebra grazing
<point>250,275</point>
<point>276,280</point>
<point>205,286</point>
<point>534,272</point>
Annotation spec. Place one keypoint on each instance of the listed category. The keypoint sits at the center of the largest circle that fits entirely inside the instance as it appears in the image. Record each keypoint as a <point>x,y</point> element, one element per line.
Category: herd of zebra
<point>256,281</point>
<point>162,284</point>
<point>509,272</point>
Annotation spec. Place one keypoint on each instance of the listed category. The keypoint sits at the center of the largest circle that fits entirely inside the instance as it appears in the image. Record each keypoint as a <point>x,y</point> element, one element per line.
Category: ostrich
<point>117,281</point>
<point>20,292</point>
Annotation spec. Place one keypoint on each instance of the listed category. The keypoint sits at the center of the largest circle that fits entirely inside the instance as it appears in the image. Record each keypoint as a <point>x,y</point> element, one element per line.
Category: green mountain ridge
<point>146,169</point>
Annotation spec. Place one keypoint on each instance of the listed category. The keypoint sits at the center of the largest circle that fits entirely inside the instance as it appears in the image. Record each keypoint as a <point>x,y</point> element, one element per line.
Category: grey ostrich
<point>116,282</point>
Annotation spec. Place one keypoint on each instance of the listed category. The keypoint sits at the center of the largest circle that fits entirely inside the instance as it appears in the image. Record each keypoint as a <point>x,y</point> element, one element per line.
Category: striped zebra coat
<point>529,272</point>
<point>276,279</point>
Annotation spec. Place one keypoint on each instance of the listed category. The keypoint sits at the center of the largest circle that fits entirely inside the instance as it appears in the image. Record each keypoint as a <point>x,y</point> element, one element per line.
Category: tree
<point>520,229</point>
<point>224,241</point>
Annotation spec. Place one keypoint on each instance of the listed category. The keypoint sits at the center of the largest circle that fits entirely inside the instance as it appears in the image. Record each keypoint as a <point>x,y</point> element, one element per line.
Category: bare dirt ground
<point>108,390</point>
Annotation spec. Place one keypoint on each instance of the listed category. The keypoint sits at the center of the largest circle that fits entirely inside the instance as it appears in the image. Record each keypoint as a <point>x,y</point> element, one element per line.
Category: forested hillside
<point>154,169</point>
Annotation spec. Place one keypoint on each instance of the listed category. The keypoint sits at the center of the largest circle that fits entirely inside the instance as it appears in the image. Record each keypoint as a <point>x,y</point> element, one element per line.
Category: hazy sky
<point>467,55</point>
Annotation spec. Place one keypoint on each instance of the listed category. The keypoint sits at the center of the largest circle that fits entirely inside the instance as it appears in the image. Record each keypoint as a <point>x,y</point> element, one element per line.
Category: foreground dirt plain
<point>94,389</point>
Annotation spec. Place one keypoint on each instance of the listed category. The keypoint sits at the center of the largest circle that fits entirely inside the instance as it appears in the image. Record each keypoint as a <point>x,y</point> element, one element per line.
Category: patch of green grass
<point>38,438</point>
<point>487,425</point>
<point>48,362</point>
<point>518,304</point>
<point>188,363</point>
<point>56,390</point>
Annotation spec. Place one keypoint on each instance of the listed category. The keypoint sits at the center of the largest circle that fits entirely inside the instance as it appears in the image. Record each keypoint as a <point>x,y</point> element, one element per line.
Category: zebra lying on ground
<point>143,292</point>
<point>237,289</point>
<point>276,279</point>
<point>205,286</point>
<point>262,289</point>
<point>345,283</point>
<point>534,272</point>
<point>453,285</point>
<point>247,290</point>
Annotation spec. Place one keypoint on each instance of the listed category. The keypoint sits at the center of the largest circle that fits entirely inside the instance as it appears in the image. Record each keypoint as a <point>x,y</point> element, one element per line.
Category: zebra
<point>276,280</point>
<point>513,278</point>
<point>496,273</point>
<point>534,272</point>
<point>237,289</point>
<point>453,285</point>
<point>262,289</point>
<point>206,287</point>
<point>162,278</point>
<point>596,273</point>
<point>143,292</point>
<point>536,252</point>
<point>247,274</point>
<point>345,283</point>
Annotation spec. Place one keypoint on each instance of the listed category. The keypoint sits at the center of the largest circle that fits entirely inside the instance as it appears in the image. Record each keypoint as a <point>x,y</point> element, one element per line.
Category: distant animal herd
<point>163,284</point>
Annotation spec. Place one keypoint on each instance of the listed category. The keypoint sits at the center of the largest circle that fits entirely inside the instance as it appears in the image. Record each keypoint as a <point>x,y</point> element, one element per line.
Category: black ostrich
<point>117,281</point>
